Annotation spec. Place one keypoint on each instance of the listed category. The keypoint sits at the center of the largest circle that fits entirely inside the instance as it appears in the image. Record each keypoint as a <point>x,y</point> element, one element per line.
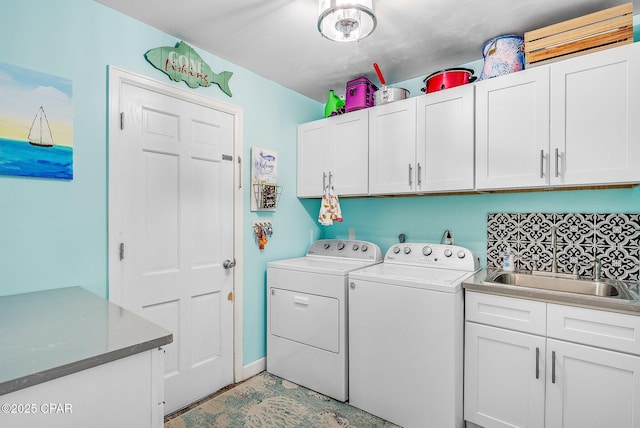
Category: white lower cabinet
<point>591,387</point>
<point>504,384</point>
<point>535,379</point>
<point>127,392</point>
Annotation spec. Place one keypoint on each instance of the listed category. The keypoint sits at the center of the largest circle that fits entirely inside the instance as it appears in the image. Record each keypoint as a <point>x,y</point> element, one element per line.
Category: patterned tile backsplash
<point>614,239</point>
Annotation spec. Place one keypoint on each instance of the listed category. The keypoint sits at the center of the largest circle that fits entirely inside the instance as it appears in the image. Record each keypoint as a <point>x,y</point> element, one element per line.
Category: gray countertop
<point>476,283</point>
<point>49,334</point>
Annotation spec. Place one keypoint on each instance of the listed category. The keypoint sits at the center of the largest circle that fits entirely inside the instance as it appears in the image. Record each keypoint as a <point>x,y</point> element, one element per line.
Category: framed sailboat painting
<point>36,124</point>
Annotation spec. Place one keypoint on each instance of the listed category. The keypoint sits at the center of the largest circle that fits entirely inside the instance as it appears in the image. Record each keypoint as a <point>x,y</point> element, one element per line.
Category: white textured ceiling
<point>278,39</point>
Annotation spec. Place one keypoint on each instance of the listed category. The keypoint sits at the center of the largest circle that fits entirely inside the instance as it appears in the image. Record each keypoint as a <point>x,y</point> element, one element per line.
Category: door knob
<point>228,264</point>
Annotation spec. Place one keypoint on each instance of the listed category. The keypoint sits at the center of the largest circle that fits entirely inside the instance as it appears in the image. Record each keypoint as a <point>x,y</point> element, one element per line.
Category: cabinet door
<point>313,150</point>
<point>590,387</point>
<point>512,130</point>
<point>392,147</point>
<point>504,377</point>
<point>349,149</point>
<point>445,140</point>
<point>595,108</point>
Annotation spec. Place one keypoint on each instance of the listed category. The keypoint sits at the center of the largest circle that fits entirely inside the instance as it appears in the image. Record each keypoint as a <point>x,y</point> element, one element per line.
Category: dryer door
<point>306,318</point>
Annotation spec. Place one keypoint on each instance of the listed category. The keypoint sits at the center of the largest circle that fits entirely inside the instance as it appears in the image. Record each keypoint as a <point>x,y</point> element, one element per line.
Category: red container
<point>448,78</point>
<point>359,94</point>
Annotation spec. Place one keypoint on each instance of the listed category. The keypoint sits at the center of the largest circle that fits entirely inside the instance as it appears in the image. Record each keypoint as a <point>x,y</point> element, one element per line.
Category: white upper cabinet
<point>574,122</point>
<point>313,155</point>
<point>392,148</point>
<point>334,151</point>
<point>445,140</point>
<point>570,123</point>
<point>595,118</point>
<point>512,130</point>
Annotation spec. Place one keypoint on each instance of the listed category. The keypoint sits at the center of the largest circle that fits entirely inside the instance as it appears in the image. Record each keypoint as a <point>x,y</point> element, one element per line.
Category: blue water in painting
<point>23,159</point>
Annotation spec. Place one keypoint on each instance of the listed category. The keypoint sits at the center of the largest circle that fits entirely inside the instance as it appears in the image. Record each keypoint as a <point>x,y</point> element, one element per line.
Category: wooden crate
<point>588,33</point>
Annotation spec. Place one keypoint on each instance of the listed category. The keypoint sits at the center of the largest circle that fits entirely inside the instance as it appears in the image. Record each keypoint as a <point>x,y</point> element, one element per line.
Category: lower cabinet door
<point>591,388</point>
<point>504,377</point>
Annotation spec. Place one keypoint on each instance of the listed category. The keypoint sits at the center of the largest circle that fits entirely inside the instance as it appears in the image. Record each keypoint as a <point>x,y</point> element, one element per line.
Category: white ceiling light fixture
<point>346,20</point>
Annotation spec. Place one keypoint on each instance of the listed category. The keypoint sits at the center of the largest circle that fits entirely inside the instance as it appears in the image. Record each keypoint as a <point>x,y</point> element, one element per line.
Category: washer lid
<point>445,280</point>
<point>324,265</point>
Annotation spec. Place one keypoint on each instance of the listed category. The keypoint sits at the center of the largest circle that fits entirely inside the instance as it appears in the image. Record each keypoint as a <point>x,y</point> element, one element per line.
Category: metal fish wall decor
<point>182,62</point>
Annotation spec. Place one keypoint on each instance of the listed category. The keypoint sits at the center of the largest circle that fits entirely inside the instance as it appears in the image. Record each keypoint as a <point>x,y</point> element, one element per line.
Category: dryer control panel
<point>346,249</point>
<point>433,255</point>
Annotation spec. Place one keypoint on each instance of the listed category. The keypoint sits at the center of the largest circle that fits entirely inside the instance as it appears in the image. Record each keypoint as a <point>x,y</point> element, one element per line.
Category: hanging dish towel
<point>329,208</point>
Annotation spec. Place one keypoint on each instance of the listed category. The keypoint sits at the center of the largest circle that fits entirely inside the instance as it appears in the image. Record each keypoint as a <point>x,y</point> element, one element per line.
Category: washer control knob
<point>355,247</point>
<point>426,251</point>
<point>364,248</point>
<point>407,250</point>
<point>326,245</point>
<point>447,253</point>
<point>461,254</point>
<point>340,245</point>
<point>396,250</point>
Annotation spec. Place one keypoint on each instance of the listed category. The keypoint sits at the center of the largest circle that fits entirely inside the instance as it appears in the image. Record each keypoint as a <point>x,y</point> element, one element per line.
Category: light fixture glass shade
<point>346,20</point>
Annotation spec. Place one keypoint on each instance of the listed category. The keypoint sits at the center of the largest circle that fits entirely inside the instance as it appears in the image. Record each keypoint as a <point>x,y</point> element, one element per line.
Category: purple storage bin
<point>359,94</point>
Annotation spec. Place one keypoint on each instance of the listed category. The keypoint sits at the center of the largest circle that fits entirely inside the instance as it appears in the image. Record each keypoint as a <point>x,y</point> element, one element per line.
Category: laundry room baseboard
<point>254,368</point>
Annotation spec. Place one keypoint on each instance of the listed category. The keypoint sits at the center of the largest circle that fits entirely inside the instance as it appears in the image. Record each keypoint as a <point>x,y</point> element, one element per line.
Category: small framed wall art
<point>264,180</point>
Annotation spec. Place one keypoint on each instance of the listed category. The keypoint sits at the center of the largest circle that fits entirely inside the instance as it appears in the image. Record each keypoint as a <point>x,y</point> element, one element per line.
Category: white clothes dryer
<point>406,337</point>
<point>307,314</point>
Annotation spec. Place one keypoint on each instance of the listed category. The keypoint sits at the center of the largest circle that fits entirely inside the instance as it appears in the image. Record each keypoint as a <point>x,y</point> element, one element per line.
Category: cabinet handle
<point>542,163</point>
<point>410,175</point>
<point>324,181</point>
<point>537,363</point>
<point>557,163</point>
<point>419,175</point>
<point>330,179</point>
<point>553,366</point>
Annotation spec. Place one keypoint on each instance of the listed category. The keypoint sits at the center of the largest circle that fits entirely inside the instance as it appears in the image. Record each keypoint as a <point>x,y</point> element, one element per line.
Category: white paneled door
<point>176,211</point>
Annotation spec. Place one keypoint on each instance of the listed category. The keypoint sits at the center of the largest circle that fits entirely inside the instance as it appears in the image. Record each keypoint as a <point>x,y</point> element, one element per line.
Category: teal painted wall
<point>425,218</point>
<point>54,233</point>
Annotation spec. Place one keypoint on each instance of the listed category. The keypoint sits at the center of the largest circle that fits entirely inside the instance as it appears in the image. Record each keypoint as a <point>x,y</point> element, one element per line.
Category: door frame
<point>116,77</point>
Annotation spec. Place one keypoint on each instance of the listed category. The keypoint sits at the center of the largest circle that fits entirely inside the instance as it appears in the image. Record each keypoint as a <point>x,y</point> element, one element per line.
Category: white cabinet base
<point>123,393</point>
<point>591,387</point>
<point>504,377</point>
<point>547,380</point>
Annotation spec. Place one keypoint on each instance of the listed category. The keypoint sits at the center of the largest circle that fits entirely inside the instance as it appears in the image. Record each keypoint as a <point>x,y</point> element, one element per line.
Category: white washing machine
<point>406,337</point>
<point>307,314</point>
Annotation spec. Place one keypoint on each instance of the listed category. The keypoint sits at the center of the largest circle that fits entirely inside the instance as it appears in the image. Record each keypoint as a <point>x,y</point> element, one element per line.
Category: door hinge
<point>121,120</point>
<point>121,251</point>
<point>227,157</point>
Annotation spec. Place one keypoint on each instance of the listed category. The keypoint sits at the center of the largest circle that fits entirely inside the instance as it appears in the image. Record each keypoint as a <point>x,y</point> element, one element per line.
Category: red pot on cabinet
<point>448,78</point>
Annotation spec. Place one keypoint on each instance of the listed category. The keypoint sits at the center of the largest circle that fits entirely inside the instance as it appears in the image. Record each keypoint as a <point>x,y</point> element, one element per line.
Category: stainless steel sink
<point>599,288</point>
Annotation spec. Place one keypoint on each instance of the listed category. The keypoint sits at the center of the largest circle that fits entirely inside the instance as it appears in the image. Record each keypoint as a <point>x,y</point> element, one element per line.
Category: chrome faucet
<point>554,246</point>
<point>597,269</point>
